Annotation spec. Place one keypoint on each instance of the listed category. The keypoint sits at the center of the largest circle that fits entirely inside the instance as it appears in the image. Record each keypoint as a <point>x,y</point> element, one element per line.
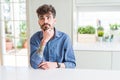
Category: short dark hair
<point>46,9</point>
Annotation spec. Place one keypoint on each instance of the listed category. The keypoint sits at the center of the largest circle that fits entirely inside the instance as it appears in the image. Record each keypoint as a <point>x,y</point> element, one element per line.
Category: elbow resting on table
<point>33,65</point>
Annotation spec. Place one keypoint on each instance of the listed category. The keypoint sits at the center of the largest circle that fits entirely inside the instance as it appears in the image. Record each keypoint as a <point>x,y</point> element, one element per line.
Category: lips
<point>45,26</point>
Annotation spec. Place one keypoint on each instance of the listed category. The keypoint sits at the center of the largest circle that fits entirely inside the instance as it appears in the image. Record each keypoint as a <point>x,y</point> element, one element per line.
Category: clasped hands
<point>48,65</point>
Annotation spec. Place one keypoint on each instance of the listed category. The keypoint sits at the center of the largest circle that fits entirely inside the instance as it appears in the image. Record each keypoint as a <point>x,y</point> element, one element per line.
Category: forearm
<point>41,48</point>
<point>35,60</point>
<point>37,56</point>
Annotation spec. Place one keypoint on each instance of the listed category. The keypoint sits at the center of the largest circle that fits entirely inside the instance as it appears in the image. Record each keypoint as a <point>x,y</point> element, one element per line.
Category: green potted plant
<point>100,33</point>
<point>23,35</point>
<point>114,26</point>
<point>86,29</point>
<point>86,34</point>
<point>9,42</point>
<point>115,31</point>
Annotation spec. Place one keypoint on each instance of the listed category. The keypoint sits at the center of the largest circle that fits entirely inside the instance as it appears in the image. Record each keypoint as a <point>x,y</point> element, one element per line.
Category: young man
<point>50,48</point>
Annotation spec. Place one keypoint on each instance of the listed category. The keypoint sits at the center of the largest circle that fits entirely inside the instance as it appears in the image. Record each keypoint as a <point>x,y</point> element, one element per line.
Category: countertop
<point>98,46</point>
<point>25,73</point>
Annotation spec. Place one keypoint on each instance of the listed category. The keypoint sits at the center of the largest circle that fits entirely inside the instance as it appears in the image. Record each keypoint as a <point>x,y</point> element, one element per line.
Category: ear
<point>38,22</point>
<point>55,21</point>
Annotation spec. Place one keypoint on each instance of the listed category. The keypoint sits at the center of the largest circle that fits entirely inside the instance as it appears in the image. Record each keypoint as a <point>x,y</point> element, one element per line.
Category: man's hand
<point>47,35</point>
<point>48,65</point>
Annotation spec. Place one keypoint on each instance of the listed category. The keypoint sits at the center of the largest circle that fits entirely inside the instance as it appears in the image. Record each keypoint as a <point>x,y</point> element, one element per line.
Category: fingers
<point>48,34</point>
<point>43,65</point>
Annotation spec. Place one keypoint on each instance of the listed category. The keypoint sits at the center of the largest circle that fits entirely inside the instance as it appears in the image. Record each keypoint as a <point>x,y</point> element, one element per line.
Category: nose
<point>45,20</point>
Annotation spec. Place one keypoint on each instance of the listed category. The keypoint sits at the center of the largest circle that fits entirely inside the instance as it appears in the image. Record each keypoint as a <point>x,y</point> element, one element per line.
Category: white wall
<point>0,46</point>
<point>64,14</point>
<point>0,51</point>
<point>97,1</point>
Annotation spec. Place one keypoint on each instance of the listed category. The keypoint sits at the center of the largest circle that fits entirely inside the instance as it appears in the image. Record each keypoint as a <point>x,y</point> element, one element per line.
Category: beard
<point>45,26</point>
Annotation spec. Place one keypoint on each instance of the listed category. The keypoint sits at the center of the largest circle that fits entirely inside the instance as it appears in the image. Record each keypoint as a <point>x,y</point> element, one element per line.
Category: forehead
<point>47,14</point>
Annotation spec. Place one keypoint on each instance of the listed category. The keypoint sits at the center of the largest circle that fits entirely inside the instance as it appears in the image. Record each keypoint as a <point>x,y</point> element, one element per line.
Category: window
<point>89,14</point>
<point>14,32</point>
<point>106,18</point>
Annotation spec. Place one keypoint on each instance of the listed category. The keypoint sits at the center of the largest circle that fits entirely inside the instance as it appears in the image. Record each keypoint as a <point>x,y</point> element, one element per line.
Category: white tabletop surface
<point>22,73</point>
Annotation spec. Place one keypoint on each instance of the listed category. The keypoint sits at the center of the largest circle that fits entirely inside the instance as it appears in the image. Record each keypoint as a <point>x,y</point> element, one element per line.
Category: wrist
<point>43,42</point>
<point>58,65</point>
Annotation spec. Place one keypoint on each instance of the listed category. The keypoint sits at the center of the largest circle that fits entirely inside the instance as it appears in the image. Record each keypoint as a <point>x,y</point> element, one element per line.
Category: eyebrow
<point>43,15</point>
<point>40,16</point>
<point>49,13</point>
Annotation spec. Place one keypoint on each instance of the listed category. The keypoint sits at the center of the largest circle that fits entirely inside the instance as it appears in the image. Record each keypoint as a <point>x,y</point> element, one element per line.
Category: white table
<point>22,73</point>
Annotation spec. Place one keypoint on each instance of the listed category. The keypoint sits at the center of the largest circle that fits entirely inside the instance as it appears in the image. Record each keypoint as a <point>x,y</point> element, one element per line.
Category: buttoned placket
<point>51,53</point>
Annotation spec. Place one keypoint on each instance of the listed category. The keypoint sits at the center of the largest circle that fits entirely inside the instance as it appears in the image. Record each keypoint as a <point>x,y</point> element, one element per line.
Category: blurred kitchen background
<point>93,25</point>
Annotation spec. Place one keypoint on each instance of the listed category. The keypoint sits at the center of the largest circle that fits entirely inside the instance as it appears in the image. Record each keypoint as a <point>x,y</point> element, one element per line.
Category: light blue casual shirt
<point>58,49</point>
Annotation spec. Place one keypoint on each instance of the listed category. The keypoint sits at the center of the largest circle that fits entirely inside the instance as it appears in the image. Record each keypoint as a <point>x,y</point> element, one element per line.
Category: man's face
<point>46,21</point>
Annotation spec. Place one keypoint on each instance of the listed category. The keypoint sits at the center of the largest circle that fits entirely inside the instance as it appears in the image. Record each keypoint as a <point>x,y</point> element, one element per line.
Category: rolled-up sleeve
<point>35,59</point>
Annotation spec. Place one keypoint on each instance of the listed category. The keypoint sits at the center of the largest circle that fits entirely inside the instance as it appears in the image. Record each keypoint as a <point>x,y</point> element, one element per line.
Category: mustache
<point>45,28</point>
<point>45,24</point>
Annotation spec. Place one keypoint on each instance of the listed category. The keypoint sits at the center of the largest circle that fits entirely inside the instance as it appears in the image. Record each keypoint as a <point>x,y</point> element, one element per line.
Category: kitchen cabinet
<point>98,55</point>
<point>116,60</point>
<point>107,60</point>
<point>93,59</point>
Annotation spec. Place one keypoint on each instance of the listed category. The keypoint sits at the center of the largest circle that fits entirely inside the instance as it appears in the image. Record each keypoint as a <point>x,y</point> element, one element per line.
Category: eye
<point>41,18</point>
<point>48,17</point>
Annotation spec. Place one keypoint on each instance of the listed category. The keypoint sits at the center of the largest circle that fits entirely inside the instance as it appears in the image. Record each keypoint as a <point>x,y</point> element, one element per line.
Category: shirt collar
<point>57,34</point>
